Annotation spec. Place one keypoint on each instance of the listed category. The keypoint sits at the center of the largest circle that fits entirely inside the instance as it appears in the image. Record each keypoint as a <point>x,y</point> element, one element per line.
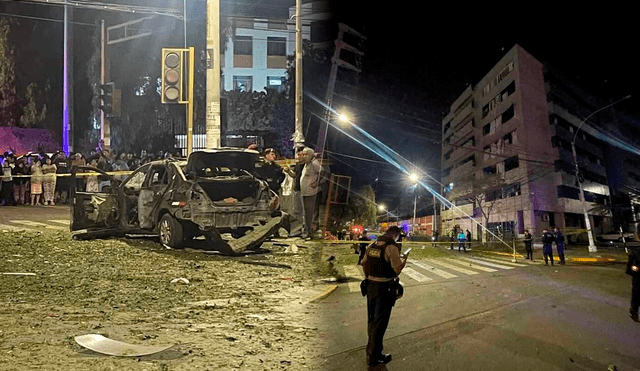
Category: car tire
<point>170,231</point>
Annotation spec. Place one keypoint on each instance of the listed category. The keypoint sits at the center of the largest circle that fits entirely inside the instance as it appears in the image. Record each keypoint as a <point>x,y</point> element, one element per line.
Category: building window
<point>508,114</point>
<point>471,141</point>
<point>511,163</point>
<point>486,129</point>
<point>490,169</point>
<point>243,45</point>
<point>243,83</point>
<point>511,138</point>
<point>511,190</point>
<point>447,155</point>
<point>276,46</point>
<point>275,82</point>
<point>447,126</point>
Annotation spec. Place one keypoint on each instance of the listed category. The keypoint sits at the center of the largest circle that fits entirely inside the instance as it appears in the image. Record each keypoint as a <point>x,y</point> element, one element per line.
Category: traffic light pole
<point>190,101</point>
<point>105,130</point>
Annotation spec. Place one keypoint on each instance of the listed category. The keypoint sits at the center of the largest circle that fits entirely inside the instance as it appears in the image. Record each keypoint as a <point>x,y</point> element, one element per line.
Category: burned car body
<point>215,193</point>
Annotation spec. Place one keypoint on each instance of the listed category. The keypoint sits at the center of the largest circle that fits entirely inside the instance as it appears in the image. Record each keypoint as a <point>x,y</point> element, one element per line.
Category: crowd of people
<point>43,178</point>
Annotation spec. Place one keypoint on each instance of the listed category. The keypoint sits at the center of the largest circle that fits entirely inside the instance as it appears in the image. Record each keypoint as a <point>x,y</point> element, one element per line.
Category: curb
<point>324,294</point>
<point>555,258</point>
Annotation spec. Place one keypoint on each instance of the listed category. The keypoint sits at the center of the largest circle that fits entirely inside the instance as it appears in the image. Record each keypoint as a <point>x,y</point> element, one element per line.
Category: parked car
<point>615,236</point>
<point>213,193</point>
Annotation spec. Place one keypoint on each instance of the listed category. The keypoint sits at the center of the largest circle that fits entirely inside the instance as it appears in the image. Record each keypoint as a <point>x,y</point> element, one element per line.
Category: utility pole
<point>67,88</point>
<point>213,74</point>
<point>298,136</point>
<point>336,62</point>
<point>435,214</point>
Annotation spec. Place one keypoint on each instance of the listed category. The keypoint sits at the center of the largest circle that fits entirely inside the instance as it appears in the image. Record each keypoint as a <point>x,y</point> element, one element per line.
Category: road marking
<point>66,222</point>
<point>500,261</point>
<point>353,271</point>
<point>453,267</point>
<point>433,270</point>
<point>30,223</point>
<point>415,275</point>
<point>474,266</point>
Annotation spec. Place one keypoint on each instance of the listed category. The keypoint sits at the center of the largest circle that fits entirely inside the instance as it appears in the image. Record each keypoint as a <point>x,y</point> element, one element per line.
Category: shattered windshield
<point>206,164</point>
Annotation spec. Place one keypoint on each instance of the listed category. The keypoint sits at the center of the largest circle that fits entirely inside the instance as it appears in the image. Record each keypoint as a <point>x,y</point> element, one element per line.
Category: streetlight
<point>592,246</point>
<point>381,207</point>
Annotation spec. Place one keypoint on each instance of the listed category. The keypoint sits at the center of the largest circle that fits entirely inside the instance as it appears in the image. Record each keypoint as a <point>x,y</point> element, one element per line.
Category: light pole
<point>592,246</point>
<point>384,208</point>
<point>414,179</point>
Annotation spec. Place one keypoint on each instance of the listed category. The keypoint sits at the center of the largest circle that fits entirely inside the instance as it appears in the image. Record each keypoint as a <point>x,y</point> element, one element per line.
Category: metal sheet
<point>101,344</point>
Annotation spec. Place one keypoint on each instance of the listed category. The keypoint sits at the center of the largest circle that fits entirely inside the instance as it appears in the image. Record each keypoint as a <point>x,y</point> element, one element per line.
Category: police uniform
<point>560,245</point>
<point>633,269</point>
<point>380,291</point>
<point>528,242</point>
<point>547,249</point>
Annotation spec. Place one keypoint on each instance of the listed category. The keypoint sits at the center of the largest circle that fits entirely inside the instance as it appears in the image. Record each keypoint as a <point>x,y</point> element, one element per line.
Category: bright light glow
<point>413,177</point>
<point>381,207</point>
<point>343,118</point>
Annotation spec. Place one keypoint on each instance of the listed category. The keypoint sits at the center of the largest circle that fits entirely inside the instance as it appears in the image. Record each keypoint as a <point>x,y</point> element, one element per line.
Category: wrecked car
<point>214,193</point>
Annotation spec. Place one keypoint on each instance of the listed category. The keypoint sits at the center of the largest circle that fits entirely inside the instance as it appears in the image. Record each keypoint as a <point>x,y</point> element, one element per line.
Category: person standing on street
<point>468,239</point>
<point>270,171</point>
<point>311,183</point>
<point>297,209</point>
<point>462,241</point>
<point>454,235</point>
<point>528,242</point>
<point>49,181</point>
<point>36,182</point>
<point>547,248</point>
<point>6,190</point>
<point>560,244</point>
<point>363,245</point>
<point>382,264</point>
<point>633,269</point>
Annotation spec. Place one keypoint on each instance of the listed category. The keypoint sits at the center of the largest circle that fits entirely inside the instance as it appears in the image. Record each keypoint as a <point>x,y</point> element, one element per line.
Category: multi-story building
<point>506,153</point>
<point>255,57</point>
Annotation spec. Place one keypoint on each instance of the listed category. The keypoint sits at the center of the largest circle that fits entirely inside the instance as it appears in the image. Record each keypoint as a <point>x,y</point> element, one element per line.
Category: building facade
<point>506,154</point>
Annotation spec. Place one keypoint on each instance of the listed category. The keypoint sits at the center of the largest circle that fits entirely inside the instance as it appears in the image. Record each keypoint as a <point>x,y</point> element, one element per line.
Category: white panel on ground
<point>432,269</point>
<point>454,267</point>
<point>415,275</point>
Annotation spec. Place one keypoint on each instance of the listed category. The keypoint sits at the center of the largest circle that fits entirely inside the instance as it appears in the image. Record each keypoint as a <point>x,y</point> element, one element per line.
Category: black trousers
<point>379,304</point>
<point>547,251</point>
<point>528,248</point>
<point>635,294</point>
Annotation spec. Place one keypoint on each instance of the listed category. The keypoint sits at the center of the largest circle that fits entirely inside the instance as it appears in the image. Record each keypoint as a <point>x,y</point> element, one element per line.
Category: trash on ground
<point>18,274</point>
<point>101,344</point>
<point>180,280</point>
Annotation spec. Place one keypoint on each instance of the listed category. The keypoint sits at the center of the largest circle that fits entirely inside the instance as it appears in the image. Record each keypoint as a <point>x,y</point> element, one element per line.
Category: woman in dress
<point>49,181</point>
<point>36,182</point>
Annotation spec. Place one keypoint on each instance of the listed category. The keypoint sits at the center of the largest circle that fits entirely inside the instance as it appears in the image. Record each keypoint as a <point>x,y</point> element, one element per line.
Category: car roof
<point>228,149</point>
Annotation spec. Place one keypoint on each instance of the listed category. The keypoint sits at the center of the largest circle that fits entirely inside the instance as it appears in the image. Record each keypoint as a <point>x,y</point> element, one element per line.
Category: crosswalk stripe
<point>453,267</point>
<point>415,275</point>
<point>474,266</point>
<point>5,227</point>
<point>501,261</point>
<point>433,270</point>
<point>30,223</point>
<point>66,222</point>
<point>353,271</point>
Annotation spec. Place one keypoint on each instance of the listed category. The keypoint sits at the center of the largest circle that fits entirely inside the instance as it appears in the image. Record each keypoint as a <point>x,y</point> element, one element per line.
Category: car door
<point>151,194</point>
<point>129,197</point>
<point>93,211</point>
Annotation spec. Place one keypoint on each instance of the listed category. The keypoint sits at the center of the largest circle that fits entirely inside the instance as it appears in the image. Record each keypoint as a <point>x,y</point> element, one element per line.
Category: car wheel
<point>170,231</point>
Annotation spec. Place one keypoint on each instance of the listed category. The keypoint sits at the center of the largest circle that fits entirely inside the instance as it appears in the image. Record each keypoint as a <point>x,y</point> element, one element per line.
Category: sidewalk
<point>574,254</point>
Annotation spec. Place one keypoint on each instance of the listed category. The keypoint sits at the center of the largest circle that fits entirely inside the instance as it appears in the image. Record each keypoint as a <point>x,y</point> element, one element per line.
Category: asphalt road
<point>35,217</point>
<point>535,317</point>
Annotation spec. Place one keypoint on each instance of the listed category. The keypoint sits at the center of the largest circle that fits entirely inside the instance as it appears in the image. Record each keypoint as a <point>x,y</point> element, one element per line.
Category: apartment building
<point>506,153</point>
<point>255,57</point>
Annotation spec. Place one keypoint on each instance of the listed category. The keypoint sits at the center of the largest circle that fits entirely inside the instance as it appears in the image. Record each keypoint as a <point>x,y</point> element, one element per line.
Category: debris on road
<point>180,280</point>
<point>101,344</point>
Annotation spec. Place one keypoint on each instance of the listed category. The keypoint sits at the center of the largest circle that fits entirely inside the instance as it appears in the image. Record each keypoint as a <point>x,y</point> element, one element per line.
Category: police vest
<point>548,238</point>
<point>376,265</point>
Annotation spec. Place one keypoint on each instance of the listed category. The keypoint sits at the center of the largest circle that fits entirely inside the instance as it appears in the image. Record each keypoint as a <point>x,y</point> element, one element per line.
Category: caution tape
<point>93,173</point>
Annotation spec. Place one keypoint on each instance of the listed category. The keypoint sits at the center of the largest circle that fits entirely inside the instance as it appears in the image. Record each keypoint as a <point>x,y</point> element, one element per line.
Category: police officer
<point>547,249</point>
<point>560,244</point>
<point>363,245</point>
<point>528,242</point>
<point>633,269</point>
<point>382,264</point>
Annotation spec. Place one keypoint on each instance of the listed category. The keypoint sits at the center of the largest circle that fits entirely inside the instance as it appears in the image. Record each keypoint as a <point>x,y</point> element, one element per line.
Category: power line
<point>105,6</point>
<point>47,19</point>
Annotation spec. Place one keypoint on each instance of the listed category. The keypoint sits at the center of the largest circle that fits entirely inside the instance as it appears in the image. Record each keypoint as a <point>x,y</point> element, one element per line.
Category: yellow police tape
<point>120,172</point>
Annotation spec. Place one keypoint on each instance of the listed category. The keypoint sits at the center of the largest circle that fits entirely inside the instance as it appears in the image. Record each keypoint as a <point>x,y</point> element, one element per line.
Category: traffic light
<point>106,97</point>
<point>172,75</point>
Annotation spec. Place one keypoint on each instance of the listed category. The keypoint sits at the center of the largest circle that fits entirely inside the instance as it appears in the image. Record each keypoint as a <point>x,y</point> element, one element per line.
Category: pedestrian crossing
<point>439,269</point>
<point>14,225</point>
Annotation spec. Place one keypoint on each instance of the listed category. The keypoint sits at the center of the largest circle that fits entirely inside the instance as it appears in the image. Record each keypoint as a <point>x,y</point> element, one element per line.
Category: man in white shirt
<point>311,181</point>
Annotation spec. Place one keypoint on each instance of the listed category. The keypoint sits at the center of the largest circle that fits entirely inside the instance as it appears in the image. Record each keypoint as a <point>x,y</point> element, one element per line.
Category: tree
<point>363,205</point>
<point>31,117</point>
<point>483,192</point>
<point>9,103</point>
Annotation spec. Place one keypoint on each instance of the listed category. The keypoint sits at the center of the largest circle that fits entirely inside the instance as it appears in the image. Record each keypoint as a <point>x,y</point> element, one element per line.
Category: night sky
<point>417,60</point>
